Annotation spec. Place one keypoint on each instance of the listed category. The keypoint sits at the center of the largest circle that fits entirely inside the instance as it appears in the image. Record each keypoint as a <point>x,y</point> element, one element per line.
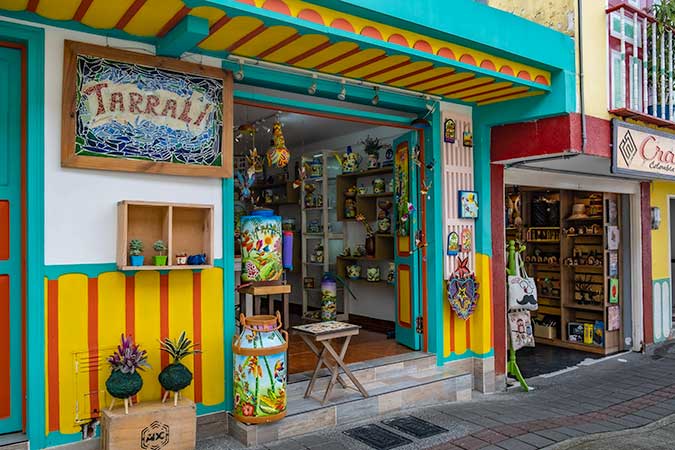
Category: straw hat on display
<point>578,212</point>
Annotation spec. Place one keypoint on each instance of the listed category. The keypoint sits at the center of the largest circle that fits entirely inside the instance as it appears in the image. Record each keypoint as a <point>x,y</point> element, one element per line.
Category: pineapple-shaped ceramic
<point>175,377</point>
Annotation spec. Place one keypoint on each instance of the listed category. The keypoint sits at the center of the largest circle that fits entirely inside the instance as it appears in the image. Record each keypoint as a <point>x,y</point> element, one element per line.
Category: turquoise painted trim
<point>211,409</point>
<point>56,438</point>
<point>434,236</point>
<point>233,8</point>
<point>315,107</point>
<point>472,24</point>
<point>34,41</point>
<point>291,82</point>
<point>228,286</point>
<point>482,185</point>
<point>467,354</point>
<point>183,37</point>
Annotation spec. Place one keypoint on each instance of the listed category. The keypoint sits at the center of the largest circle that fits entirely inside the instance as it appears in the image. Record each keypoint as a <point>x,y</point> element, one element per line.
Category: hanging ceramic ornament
<point>466,240</point>
<point>278,155</point>
<point>255,164</point>
<point>463,289</point>
<point>453,244</point>
<point>467,139</point>
<point>449,131</point>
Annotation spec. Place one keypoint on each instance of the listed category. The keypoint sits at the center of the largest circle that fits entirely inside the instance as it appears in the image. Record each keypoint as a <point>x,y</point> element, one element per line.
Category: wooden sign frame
<point>68,120</point>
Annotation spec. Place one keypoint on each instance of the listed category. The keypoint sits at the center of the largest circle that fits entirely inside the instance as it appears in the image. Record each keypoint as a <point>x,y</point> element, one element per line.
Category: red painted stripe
<point>220,23</point>
<point>452,330</point>
<point>32,5</point>
<point>409,74</point>
<point>82,10</point>
<point>364,64</point>
<point>246,38</point>
<point>498,267</point>
<point>53,353</point>
<point>4,230</point>
<point>129,14</point>
<point>173,21</point>
<point>388,69</point>
<point>164,313</point>
<point>92,338</point>
<point>451,83</point>
<point>280,45</point>
<point>197,325</point>
<point>429,80</point>
<point>468,334</point>
<point>338,58</point>
<point>309,52</point>
<point>647,288</point>
<point>455,91</point>
<point>130,305</point>
<point>423,226</point>
<point>5,349</point>
<point>497,97</point>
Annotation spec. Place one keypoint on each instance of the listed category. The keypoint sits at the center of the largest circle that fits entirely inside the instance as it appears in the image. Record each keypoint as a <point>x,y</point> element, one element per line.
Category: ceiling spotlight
<point>430,105</point>
<point>376,97</point>
<point>239,74</point>
<point>312,89</point>
<point>343,92</point>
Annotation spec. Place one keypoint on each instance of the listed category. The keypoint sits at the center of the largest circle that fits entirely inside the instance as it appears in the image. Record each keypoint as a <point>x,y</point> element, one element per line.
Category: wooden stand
<point>268,291</point>
<point>150,425</point>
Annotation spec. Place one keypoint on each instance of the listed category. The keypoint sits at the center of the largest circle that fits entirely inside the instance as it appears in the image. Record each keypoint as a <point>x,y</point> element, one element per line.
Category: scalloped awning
<point>303,35</point>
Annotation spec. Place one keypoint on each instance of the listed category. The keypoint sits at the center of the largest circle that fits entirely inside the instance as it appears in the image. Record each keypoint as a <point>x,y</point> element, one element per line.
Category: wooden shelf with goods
<point>185,228</point>
<point>288,195</point>
<point>365,203</point>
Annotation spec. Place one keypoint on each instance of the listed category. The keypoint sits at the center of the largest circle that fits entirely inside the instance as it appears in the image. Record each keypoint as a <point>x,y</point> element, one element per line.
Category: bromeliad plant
<point>124,381</point>
<point>176,377</point>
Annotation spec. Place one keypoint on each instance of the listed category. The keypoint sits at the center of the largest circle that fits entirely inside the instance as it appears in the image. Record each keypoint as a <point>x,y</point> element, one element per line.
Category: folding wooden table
<point>319,337</point>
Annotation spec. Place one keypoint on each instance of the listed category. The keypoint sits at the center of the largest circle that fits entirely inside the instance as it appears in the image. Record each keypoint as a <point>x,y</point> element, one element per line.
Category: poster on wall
<point>612,237</point>
<point>613,264</point>
<point>138,113</point>
<point>613,290</point>
<point>613,318</point>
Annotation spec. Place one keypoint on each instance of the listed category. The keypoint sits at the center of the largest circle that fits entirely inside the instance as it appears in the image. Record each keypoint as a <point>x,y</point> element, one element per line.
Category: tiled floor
<point>364,347</point>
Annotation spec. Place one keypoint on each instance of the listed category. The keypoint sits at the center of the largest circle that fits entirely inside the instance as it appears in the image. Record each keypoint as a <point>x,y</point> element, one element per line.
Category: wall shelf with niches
<point>276,194</point>
<point>185,228</point>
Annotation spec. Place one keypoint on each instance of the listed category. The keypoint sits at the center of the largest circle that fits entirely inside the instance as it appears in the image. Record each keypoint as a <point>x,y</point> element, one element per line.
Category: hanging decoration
<point>278,155</point>
<point>463,289</point>
<point>453,244</point>
<point>245,184</point>
<point>468,205</point>
<point>449,131</point>
<point>255,164</point>
<point>467,139</point>
<point>466,241</point>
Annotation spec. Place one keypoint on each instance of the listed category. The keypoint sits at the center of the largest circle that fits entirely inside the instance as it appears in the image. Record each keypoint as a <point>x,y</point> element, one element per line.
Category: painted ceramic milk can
<point>328,297</point>
<point>261,246</point>
<point>260,370</point>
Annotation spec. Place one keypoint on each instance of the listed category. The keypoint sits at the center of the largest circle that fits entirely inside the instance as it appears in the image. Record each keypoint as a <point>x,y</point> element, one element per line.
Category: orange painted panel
<point>404,283</point>
<point>4,230</point>
<point>5,350</point>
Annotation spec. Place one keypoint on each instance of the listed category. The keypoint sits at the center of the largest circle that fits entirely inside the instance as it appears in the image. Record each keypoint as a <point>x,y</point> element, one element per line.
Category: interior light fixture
<point>376,97</point>
<point>312,89</point>
<point>239,74</point>
<point>343,92</point>
<point>430,105</point>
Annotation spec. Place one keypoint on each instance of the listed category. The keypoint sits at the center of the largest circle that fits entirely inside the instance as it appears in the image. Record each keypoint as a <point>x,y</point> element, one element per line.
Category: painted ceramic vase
<point>261,246</point>
<point>384,224</point>
<point>260,370</point>
<point>350,208</point>
<point>373,160</point>
<point>350,161</point>
<point>373,274</point>
<point>315,168</point>
<point>353,271</point>
<point>328,298</point>
<point>379,186</point>
<point>391,274</point>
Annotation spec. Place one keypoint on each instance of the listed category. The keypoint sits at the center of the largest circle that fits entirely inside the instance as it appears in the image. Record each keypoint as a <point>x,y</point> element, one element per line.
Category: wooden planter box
<point>150,426</point>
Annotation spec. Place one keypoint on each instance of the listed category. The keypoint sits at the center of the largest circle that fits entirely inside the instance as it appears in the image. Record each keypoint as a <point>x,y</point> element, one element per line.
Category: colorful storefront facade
<point>58,238</point>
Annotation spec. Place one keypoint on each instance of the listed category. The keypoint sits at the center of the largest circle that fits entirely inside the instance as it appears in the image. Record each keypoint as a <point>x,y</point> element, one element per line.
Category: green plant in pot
<point>136,252</point>
<point>176,377</point>
<point>160,247</point>
<point>124,381</point>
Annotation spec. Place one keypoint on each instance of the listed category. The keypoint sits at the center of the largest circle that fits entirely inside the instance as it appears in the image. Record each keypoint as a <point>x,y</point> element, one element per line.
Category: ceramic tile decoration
<point>453,244</point>
<point>325,327</point>
<point>468,204</point>
<point>467,139</point>
<point>614,290</point>
<point>613,264</point>
<point>612,237</point>
<point>466,240</point>
<point>449,131</point>
<point>462,289</point>
<point>613,318</point>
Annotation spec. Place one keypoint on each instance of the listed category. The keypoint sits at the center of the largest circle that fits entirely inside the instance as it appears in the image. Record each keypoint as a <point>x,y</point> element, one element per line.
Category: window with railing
<point>640,63</point>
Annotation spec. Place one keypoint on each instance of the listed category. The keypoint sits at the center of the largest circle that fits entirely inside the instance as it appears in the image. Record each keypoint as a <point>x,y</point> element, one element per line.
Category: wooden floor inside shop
<point>366,346</point>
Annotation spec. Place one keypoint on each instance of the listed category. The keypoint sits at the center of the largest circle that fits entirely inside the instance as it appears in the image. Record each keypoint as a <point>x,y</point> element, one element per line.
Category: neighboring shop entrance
<point>11,239</point>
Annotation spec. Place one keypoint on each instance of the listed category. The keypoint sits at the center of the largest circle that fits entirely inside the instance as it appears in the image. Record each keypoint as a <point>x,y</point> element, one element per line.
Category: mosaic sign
<point>133,112</point>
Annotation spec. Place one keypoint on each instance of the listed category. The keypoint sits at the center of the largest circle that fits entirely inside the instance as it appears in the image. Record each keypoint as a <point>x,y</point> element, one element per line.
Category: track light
<point>376,97</point>
<point>312,89</point>
<point>430,105</point>
<point>343,92</point>
<point>239,74</point>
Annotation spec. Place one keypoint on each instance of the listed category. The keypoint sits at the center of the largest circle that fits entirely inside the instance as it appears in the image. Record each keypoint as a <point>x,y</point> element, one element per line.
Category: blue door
<point>405,254</point>
<point>11,241</point>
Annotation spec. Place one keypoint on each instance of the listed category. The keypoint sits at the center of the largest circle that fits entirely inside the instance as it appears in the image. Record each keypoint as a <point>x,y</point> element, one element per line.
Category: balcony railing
<point>641,66</point>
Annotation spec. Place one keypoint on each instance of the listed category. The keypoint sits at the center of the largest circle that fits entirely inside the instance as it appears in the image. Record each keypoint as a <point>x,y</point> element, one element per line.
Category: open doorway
<point>341,218</point>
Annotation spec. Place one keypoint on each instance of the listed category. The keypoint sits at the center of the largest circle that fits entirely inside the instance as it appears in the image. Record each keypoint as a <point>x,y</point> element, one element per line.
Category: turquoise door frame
<point>32,44</point>
<point>11,264</point>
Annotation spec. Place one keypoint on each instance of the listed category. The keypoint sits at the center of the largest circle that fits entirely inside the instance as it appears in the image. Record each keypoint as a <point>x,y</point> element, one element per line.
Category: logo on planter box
<point>155,436</point>
<point>642,152</point>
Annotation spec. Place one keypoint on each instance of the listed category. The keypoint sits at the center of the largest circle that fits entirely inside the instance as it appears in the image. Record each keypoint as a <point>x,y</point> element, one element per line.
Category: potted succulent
<point>176,377</point>
<point>136,252</point>
<point>124,381</point>
<point>160,247</point>
<point>372,146</point>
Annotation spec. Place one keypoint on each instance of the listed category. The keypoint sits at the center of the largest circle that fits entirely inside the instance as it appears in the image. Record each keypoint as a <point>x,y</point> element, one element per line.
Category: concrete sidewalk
<point>621,393</point>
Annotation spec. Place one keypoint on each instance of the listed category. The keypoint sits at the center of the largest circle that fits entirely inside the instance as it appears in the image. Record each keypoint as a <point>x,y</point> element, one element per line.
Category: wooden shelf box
<point>186,228</point>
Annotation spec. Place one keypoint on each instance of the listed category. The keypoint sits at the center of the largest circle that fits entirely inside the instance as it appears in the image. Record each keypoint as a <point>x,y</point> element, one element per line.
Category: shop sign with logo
<point>642,152</point>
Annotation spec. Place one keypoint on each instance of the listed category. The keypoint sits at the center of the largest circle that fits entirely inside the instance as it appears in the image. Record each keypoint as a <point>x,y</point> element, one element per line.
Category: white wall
<point>80,205</point>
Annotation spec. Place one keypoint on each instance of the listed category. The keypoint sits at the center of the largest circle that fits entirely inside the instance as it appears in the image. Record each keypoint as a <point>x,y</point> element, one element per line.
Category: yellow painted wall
<point>556,14</point>
<point>660,239</point>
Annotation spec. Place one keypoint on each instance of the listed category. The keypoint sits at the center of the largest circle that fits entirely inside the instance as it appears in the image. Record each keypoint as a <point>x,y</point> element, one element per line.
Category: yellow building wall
<point>556,14</point>
<point>662,293</point>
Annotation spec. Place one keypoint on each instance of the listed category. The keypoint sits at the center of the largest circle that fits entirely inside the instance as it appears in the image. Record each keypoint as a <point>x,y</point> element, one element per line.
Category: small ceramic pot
<point>373,161</point>
<point>136,260</point>
<point>181,260</point>
<point>315,168</point>
<point>391,274</point>
<point>384,225</point>
<point>314,226</point>
<point>362,190</point>
<point>354,271</point>
<point>379,186</point>
<point>350,208</point>
<point>288,224</point>
<point>373,274</point>
<point>160,260</point>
